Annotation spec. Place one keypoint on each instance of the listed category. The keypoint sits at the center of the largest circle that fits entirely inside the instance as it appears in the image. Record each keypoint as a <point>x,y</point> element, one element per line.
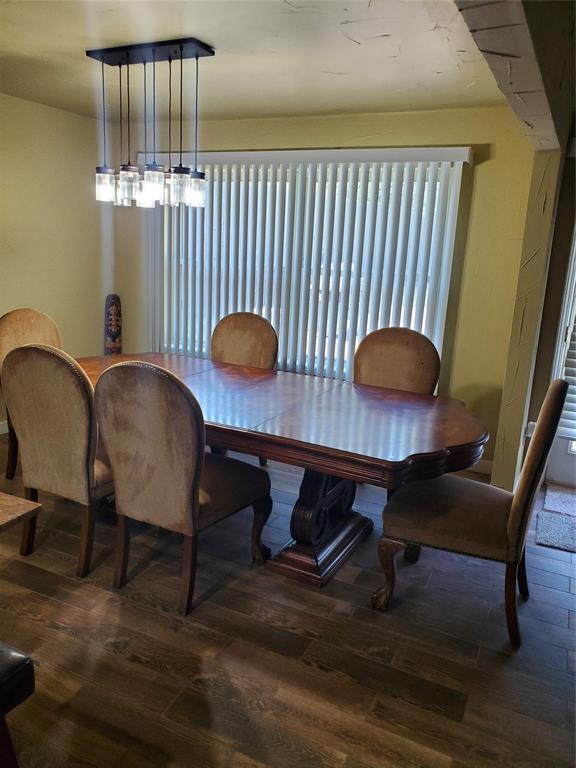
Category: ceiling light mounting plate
<point>163,50</point>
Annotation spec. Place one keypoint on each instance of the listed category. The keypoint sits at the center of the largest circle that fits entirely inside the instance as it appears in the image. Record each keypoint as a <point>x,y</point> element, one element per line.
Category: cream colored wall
<point>489,240</point>
<point>50,226</point>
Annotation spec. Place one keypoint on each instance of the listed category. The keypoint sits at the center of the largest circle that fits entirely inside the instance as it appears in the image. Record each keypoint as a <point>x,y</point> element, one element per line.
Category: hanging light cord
<point>121,121</point>
<point>128,106</point>
<point>180,106</point>
<point>145,118</point>
<point>154,106</point>
<point>104,116</point>
<point>170,113</point>
<point>196,122</point>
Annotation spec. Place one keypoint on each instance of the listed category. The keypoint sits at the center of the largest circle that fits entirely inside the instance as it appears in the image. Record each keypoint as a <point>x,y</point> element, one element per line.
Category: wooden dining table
<point>339,432</point>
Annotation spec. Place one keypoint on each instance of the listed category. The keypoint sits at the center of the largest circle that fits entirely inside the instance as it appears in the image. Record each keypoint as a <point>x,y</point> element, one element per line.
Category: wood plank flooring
<point>268,673</point>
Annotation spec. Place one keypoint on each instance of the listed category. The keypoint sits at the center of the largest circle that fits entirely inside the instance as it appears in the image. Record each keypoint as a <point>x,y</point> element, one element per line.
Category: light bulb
<point>105,184</point>
<point>154,181</point>
<point>197,190</point>
<point>120,197</point>
<point>144,198</point>
<point>129,181</point>
<point>179,184</point>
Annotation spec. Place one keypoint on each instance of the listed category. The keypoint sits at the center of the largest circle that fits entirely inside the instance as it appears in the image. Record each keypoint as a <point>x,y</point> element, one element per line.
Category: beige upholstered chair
<point>153,432</point>
<point>51,403</point>
<point>245,339</point>
<point>471,518</point>
<point>397,358</point>
<point>18,327</point>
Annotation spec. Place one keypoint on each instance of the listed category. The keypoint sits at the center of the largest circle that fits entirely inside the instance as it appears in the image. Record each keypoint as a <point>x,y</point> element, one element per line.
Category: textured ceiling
<point>273,57</point>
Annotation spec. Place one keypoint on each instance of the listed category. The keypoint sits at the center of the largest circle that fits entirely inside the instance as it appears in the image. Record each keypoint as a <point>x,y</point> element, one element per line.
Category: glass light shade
<point>129,177</point>
<point>167,198</point>
<point>145,198</point>
<point>197,190</point>
<point>154,181</point>
<point>121,190</point>
<point>105,184</point>
<point>179,185</point>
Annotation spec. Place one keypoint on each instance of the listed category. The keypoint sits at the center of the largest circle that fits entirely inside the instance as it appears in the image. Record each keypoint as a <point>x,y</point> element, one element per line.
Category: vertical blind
<point>326,250</point>
<point>567,426</point>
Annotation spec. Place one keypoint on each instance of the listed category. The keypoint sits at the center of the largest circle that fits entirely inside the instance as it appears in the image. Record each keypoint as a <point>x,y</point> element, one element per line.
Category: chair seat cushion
<point>16,678</point>
<point>451,513</point>
<point>228,485</point>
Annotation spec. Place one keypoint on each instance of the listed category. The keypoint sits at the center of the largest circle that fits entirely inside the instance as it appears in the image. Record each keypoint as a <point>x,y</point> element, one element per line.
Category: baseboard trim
<point>3,427</point>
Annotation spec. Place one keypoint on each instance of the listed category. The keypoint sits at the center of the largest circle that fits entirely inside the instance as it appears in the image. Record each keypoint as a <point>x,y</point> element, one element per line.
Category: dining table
<point>340,433</point>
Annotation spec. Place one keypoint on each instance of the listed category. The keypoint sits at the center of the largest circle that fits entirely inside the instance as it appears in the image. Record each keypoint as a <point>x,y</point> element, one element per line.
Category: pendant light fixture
<point>121,197</point>
<point>153,173</point>
<point>129,176</point>
<point>175,185</point>
<point>168,199</point>
<point>105,176</point>
<point>145,192</point>
<point>180,182</point>
<point>197,190</point>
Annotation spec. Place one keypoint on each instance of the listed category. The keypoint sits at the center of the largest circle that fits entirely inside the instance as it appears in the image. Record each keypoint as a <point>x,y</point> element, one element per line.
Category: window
<point>567,425</point>
<point>327,246</point>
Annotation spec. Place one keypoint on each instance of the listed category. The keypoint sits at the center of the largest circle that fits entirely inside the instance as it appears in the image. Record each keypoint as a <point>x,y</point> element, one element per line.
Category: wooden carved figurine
<point>113,325</point>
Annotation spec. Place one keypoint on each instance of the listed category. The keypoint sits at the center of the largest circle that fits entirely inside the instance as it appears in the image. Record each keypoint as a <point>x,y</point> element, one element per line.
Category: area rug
<point>556,525</point>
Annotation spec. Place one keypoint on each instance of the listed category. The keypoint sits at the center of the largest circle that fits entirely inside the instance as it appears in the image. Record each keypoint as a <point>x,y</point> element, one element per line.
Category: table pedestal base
<point>324,528</point>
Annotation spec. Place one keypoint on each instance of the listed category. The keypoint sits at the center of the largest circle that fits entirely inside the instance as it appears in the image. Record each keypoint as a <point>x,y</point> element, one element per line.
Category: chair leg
<point>262,460</point>
<point>510,599</point>
<point>262,509</point>
<point>387,551</point>
<point>522,578</point>
<point>8,757</point>
<point>12,460</point>
<point>29,527</point>
<point>86,540</point>
<point>189,561</point>
<point>122,551</point>
<point>218,451</point>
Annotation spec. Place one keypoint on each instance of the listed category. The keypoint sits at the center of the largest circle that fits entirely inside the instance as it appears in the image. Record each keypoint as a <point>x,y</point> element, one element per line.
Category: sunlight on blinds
<point>327,251</point>
<point>567,426</point>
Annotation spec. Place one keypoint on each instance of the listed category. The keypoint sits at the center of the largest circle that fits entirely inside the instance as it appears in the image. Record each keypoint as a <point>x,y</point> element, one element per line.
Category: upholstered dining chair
<point>18,327</point>
<point>472,518</point>
<point>51,403</point>
<point>397,358</point>
<point>153,431</point>
<point>244,338</point>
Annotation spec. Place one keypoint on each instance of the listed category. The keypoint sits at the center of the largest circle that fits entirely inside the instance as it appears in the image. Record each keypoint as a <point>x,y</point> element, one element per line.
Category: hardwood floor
<point>266,672</point>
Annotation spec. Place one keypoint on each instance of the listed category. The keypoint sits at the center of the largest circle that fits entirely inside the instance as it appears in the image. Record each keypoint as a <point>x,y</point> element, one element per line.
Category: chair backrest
<point>534,465</point>
<point>397,358</point>
<point>153,431</point>
<point>243,338</point>
<point>27,326</point>
<point>50,400</point>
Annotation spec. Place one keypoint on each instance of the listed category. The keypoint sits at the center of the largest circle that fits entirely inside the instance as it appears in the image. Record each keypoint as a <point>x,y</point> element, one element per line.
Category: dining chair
<point>18,327</point>
<point>397,358</point>
<point>153,431</point>
<point>51,403</point>
<point>244,338</point>
<point>472,518</point>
